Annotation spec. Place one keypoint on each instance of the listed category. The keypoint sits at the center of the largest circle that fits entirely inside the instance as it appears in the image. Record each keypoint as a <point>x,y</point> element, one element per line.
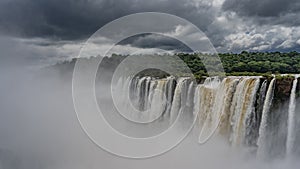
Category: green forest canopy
<point>242,64</point>
<point>249,63</point>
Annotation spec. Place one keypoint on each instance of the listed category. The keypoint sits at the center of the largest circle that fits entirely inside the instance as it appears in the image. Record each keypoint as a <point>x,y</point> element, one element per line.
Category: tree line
<point>235,64</point>
<point>247,63</point>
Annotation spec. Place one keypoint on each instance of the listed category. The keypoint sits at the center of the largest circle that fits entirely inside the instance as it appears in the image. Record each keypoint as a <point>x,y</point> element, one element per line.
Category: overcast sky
<point>48,31</point>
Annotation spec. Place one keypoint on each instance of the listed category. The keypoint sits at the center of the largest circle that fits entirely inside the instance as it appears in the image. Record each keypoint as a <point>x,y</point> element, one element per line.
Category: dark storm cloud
<point>76,19</point>
<point>57,19</point>
<point>156,41</point>
<point>285,12</point>
<point>58,28</point>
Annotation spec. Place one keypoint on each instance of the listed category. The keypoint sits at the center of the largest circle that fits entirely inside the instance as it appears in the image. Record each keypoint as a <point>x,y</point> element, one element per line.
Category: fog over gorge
<point>134,84</point>
<point>39,129</point>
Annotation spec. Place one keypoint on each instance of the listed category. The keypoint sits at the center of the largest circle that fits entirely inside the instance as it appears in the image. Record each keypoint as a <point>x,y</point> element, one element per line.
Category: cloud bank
<point>58,28</point>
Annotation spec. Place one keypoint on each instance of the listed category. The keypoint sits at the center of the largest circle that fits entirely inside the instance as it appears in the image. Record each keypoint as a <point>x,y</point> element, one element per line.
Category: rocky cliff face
<point>283,87</point>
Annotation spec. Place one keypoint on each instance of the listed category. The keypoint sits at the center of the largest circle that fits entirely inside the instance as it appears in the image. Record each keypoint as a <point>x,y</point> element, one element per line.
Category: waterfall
<point>208,123</point>
<point>261,100</point>
<point>242,109</point>
<point>212,104</point>
<point>179,98</point>
<point>291,119</point>
<point>253,122</point>
<point>236,108</point>
<point>262,140</point>
<point>171,84</point>
<point>159,100</point>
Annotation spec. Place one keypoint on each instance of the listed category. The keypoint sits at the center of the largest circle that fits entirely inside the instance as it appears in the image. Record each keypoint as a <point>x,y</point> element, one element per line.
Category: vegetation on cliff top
<point>242,64</point>
<point>249,63</point>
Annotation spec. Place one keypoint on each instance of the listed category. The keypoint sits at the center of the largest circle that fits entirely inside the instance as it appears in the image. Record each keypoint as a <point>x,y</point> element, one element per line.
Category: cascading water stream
<point>244,99</point>
<point>178,98</point>
<point>291,119</point>
<point>262,140</point>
